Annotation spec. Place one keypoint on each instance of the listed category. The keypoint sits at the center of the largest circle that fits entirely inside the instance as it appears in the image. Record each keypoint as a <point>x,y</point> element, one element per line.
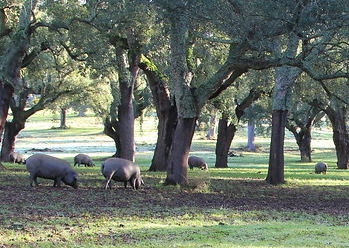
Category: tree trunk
<point>166,113</point>
<point>302,117</point>
<point>211,134</point>
<point>6,91</point>
<point>82,111</point>
<point>285,76</point>
<point>177,163</point>
<point>304,144</point>
<point>126,124</point>
<point>276,157</point>
<point>341,142</point>
<point>303,138</point>
<point>166,127</point>
<point>250,136</point>
<point>12,60</point>
<point>226,134</point>
<point>336,113</point>
<point>111,128</point>
<point>12,129</point>
<point>125,109</point>
<point>63,124</point>
<point>340,136</point>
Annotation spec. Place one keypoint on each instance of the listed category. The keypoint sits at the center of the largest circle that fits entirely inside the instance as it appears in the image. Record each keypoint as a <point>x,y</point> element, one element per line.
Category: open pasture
<point>232,207</point>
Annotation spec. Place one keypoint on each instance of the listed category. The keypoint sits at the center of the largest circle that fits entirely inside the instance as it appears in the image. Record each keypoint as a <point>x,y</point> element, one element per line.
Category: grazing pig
<point>83,159</point>
<point>121,170</point>
<point>194,161</point>
<point>15,157</point>
<point>321,167</point>
<point>48,167</point>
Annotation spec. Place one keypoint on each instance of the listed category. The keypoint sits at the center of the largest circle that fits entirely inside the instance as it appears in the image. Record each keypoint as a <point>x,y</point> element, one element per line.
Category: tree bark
<point>166,113</point>
<point>226,134</point>
<point>285,76</point>
<point>6,92</point>
<point>63,124</point>
<point>20,115</point>
<point>166,127</point>
<point>336,113</point>
<point>12,129</point>
<point>302,117</point>
<point>125,109</point>
<point>177,163</point>
<point>276,157</point>
<point>111,123</point>
<point>340,136</point>
<point>111,128</point>
<point>211,133</point>
<point>12,61</point>
<point>304,144</point>
<point>303,140</point>
<point>250,136</point>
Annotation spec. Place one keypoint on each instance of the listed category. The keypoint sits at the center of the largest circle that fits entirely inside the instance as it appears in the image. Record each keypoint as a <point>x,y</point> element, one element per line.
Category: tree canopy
<point>196,50</point>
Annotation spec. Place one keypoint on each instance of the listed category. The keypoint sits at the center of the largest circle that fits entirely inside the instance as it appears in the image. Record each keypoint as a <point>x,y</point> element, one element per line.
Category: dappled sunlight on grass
<point>221,207</point>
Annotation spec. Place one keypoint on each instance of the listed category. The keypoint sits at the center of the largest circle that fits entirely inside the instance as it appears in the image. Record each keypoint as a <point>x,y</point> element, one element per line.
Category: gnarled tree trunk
<point>304,144</point>
<point>166,113</point>
<point>125,109</point>
<point>226,134</point>
<point>177,163</point>
<point>336,113</point>
<point>12,59</point>
<point>120,126</point>
<point>12,129</point>
<point>111,128</point>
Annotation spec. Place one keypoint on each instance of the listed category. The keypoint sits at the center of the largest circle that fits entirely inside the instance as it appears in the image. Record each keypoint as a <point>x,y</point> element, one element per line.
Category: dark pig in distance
<point>48,167</point>
<point>194,161</point>
<point>83,159</point>
<point>121,170</point>
<point>15,157</point>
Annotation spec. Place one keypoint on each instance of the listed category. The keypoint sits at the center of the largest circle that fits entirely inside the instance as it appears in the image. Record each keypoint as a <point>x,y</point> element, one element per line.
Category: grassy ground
<point>231,207</point>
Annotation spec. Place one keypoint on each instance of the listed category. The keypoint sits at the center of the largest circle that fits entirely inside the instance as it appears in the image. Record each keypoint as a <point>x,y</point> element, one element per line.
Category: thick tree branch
<point>33,54</point>
<point>252,96</point>
<point>331,94</point>
<point>74,56</point>
<point>227,82</point>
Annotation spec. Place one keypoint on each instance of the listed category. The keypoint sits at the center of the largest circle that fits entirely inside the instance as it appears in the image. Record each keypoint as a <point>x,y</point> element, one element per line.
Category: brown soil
<point>234,194</point>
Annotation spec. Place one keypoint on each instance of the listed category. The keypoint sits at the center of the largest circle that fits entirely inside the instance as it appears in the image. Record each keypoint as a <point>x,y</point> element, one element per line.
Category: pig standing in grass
<point>83,159</point>
<point>121,170</point>
<point>48,167</point>
<point>15,157</point>
<point>321,167</point>
<point>194,161</point>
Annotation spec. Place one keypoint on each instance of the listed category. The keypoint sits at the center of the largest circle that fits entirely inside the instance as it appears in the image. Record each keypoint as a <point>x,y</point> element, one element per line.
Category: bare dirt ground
<point>235,194</point>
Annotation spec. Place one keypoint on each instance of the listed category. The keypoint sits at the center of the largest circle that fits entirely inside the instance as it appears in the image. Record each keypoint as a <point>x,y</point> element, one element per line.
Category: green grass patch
<point>228,207</point>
